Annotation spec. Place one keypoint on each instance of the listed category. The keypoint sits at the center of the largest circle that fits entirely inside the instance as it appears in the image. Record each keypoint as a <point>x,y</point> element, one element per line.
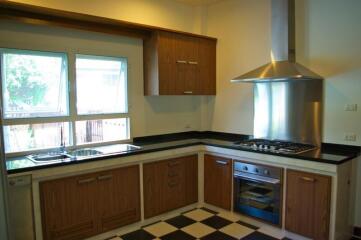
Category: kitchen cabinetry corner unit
<point>179,64</point>
<point>308,204</point>
<point>170,184</point>
<point>82,206</point>
<point>218,181</point>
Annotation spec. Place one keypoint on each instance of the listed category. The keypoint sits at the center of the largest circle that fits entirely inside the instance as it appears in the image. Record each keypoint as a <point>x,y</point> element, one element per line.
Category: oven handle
<point>257,178</point>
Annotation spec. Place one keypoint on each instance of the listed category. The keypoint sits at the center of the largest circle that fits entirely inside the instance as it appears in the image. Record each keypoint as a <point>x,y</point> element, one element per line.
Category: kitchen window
<point>101,93</point>
<point>40,111</point>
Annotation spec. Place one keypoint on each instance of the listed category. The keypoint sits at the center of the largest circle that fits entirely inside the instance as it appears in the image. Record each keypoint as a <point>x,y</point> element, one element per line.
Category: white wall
<point>243,33</point>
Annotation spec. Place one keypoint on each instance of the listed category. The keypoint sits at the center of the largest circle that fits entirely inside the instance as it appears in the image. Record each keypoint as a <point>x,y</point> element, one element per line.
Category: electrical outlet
<point>351,107</point>
<point>351,137</point>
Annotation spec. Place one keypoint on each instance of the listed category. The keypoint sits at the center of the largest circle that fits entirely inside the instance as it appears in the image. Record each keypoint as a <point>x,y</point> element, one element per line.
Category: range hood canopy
<point>283,66</point>
<point>277,72</point>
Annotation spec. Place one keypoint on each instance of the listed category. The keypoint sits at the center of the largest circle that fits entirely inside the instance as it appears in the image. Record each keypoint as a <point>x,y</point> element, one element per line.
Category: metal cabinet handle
<point>105,177</point>
<point>182,61</point>
<point>87,180</point>
<point>307,179</point>
<point>173,163</point>
<point>222,162</point>
<point>192,62</point>
<point>173,184</point>
<point>188,92</point>
<point>173,174</point>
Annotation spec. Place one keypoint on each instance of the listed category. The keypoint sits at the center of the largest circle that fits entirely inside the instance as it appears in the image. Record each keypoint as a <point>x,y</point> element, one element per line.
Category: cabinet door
<point>187,59</point>
<point>308,204</point>
<point>191,179</point>
<point>207,67</point>
<point>218,181</point>
<point>166,63</point>
<point>153,177</point>
<point>118,197</point>
<point>68,207</point>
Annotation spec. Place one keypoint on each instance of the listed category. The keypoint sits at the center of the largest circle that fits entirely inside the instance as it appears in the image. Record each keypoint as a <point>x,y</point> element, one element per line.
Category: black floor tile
<point>216,222</point>
<point>138,235</point>
<point>218,236</point>
<point>180,221</point>
<point>248,225</point>
<point>178,235</point>
<point>258,236</point>
<point>209,210</point>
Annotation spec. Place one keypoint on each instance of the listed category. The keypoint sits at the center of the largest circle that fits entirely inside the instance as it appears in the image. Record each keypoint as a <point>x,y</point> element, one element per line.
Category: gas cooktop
<point>276,146</point>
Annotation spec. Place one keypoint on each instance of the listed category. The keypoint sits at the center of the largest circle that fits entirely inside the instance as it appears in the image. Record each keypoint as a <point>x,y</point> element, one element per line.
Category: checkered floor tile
<point>201,224</point>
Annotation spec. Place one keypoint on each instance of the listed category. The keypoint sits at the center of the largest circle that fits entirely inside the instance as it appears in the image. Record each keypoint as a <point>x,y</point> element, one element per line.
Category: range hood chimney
<point>283,66</point>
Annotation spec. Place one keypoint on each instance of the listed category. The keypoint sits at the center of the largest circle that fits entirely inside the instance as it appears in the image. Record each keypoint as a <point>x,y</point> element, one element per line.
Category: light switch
<point>350,137</point>
<point>351,107</point>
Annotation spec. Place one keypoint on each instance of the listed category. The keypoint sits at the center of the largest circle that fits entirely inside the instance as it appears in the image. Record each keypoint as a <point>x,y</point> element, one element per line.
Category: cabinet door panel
<point>191,179</point>
<point>68,207</point>
<point>308,204</point>
<point>153,176</point>
<point>166,63</point>
<point>218,181</point>
<point>207,67</point>
<point>118,197</point>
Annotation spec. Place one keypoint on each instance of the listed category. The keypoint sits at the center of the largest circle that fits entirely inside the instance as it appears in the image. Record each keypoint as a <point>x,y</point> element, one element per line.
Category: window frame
<point>72,116</point>
<point>65,60</point>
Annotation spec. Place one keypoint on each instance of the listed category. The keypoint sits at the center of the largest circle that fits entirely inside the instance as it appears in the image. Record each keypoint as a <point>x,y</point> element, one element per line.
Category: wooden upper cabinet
<point>170,184</point>
<point>218,181</point>
<point>308,204</point>
<point>82,206</point>
<point>178,64</point>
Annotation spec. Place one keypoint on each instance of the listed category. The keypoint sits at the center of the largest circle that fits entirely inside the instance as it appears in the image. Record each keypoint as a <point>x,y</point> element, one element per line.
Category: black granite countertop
<point>328,153</point>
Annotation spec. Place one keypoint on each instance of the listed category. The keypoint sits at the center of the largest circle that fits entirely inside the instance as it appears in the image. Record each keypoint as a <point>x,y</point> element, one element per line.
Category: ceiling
<point>199,2</point>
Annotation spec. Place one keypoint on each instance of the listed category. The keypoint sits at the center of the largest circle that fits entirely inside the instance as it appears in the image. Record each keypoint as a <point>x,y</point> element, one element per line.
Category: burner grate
<point>277,146</point>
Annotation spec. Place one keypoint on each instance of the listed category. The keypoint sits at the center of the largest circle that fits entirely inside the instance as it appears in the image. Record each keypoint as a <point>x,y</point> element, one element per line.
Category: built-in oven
<point>258,191</point>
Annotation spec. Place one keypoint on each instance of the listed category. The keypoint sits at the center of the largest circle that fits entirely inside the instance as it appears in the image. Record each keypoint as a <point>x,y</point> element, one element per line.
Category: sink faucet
<point>62,141</point>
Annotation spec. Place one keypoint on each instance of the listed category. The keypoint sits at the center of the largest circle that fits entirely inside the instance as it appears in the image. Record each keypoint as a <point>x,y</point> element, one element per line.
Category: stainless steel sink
<point>85,152</point>
<point>48,157</point>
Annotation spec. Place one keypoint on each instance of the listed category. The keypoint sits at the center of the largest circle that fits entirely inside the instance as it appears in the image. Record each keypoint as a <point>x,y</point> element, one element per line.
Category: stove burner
<point>277,146</point>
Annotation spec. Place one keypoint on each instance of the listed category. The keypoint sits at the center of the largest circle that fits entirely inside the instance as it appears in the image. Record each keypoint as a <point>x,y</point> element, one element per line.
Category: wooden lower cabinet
<point>308,204</point>
<point>82,206</point>
<point>218,181</point>
<point>170,184</point>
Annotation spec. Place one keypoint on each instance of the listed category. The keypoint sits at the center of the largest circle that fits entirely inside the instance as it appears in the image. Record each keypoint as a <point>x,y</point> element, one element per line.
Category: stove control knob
<point>256,170</point>
<point>245,168</point>
<point>266,172</point>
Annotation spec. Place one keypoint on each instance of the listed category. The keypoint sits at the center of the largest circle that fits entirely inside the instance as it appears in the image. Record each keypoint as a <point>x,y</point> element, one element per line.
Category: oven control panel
<point>266,171</point>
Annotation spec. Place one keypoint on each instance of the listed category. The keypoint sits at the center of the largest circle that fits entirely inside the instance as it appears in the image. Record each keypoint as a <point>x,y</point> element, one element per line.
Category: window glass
<point>101,85</point>
<point>36,136</point>
<point>102,130</point>
<point>34,84</point>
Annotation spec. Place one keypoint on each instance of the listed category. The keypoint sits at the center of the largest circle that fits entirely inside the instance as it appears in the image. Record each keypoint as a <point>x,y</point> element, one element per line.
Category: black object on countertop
<point>328,153</point>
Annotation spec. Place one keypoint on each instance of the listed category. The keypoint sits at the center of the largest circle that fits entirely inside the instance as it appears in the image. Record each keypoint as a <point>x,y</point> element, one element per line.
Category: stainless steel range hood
<point>282,66</point>
<point>287,96</point>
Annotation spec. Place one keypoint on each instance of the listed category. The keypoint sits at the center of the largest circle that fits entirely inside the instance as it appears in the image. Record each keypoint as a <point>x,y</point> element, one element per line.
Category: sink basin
<point>85,152</point>
<point>46,157</point>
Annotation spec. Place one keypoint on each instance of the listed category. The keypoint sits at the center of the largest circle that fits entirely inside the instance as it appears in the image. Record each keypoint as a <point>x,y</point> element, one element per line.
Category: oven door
<point>258,197</point>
